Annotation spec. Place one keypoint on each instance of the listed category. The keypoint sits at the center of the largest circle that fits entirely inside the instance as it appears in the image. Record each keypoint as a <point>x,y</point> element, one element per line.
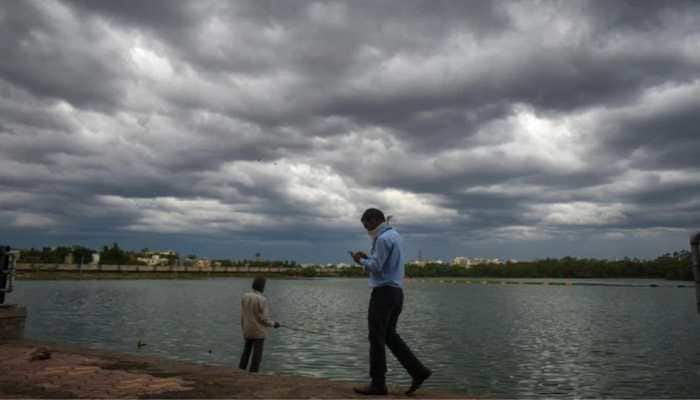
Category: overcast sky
<point>502,129</point>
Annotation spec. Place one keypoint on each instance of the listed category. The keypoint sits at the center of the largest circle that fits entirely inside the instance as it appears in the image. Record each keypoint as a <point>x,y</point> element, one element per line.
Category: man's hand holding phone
<point>358,256</point>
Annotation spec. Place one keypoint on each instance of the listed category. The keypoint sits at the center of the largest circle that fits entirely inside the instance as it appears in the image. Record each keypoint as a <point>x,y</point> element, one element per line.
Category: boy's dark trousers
<point>256,345</point>
<point>385,306</point>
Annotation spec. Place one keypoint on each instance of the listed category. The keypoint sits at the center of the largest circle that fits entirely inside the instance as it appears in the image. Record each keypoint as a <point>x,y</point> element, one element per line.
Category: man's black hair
<point>373,213</point>
<point>259,284</point>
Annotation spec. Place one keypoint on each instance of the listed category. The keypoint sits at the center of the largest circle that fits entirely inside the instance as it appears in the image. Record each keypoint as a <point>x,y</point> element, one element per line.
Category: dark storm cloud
<point>664,135</point>
<point>629,15</point>
<point>246,120</point>
<point>367,22</point>
<point>47,54</point>
<point>157,14</point>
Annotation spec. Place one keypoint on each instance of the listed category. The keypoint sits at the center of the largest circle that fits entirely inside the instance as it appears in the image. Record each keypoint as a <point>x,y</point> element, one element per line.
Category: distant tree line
<point>257,263</point>
<point>115,255</point>
<point>55,255</point>
<point>668,266</point>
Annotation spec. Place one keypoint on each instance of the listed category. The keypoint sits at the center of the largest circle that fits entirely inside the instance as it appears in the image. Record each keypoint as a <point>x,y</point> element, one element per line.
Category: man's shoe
<point>371,390</point>
<point>416,382</point>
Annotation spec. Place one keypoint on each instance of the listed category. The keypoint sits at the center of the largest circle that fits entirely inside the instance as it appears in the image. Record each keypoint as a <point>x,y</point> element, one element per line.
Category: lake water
<point>483,340</point>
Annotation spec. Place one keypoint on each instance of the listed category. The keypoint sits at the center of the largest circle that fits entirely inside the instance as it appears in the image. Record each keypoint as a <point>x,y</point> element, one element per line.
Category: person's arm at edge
<point>265,315</point>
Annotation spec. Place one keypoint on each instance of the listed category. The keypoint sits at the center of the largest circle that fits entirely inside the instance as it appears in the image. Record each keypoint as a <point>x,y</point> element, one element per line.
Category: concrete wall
<point>141,268</point>
<point>24,267</point>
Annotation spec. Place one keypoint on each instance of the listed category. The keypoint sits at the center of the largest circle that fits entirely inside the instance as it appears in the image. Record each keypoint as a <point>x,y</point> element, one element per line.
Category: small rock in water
<point>42,353</point>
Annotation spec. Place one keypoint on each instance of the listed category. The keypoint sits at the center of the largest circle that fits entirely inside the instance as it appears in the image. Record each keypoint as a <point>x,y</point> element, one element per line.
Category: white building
<point>468,262</point>
<point>155,258</point>
<point>423,263</point>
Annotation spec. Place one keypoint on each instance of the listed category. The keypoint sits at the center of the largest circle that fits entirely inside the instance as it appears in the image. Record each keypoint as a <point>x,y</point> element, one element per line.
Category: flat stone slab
<point>75,372</point>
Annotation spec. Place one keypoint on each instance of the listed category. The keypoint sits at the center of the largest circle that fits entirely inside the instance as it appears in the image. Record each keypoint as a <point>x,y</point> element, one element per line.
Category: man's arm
<point>243,309</point>
<point>375,262</point>
<point>265,315</point>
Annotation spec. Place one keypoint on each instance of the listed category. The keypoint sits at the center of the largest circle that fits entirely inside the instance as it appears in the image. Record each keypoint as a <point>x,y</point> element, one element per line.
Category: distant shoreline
<point>96,271</point>
<point>64,275</point>
<point>608,282</point>
<point>555,270</point>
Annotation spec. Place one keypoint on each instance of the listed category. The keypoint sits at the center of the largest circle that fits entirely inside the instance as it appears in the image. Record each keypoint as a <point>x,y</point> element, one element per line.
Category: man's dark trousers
<point>256,345</point>
<point>385,306</point>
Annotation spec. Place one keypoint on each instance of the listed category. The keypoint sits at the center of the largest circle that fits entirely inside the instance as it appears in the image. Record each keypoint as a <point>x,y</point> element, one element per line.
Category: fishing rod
<point>292,328</point>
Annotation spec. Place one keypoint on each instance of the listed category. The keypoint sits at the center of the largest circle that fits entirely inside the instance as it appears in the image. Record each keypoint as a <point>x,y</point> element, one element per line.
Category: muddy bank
<point>72,371</point>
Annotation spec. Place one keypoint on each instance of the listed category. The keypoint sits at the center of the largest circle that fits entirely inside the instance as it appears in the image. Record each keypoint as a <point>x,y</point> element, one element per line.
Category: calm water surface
<point>483,340</point>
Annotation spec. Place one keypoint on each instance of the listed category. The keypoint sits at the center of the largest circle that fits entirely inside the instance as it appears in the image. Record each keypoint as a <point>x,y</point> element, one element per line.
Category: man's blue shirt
<point>385,261</point>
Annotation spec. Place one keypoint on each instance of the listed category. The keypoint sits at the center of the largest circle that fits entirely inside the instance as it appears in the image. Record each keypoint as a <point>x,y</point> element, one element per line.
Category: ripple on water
<point>502,340</point>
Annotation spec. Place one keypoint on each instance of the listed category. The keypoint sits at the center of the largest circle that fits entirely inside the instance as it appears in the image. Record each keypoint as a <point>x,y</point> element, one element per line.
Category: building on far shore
<point>423,263</point>
<point>469,262</point>
<point>156,258</point>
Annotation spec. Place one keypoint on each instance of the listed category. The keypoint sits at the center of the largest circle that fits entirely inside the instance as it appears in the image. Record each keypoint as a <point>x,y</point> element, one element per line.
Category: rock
<point>42,353</point>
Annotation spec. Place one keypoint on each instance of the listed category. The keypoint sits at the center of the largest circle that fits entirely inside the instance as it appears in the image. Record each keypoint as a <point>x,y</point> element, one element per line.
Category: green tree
<point>114,255</point>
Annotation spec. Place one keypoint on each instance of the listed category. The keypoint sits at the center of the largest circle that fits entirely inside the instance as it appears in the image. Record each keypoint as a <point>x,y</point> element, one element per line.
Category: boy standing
<point>255,320</point>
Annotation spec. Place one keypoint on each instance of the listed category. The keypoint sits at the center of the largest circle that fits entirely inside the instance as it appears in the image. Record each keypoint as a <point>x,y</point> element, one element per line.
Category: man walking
<point>255,320</point>
<point>385,265</point>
